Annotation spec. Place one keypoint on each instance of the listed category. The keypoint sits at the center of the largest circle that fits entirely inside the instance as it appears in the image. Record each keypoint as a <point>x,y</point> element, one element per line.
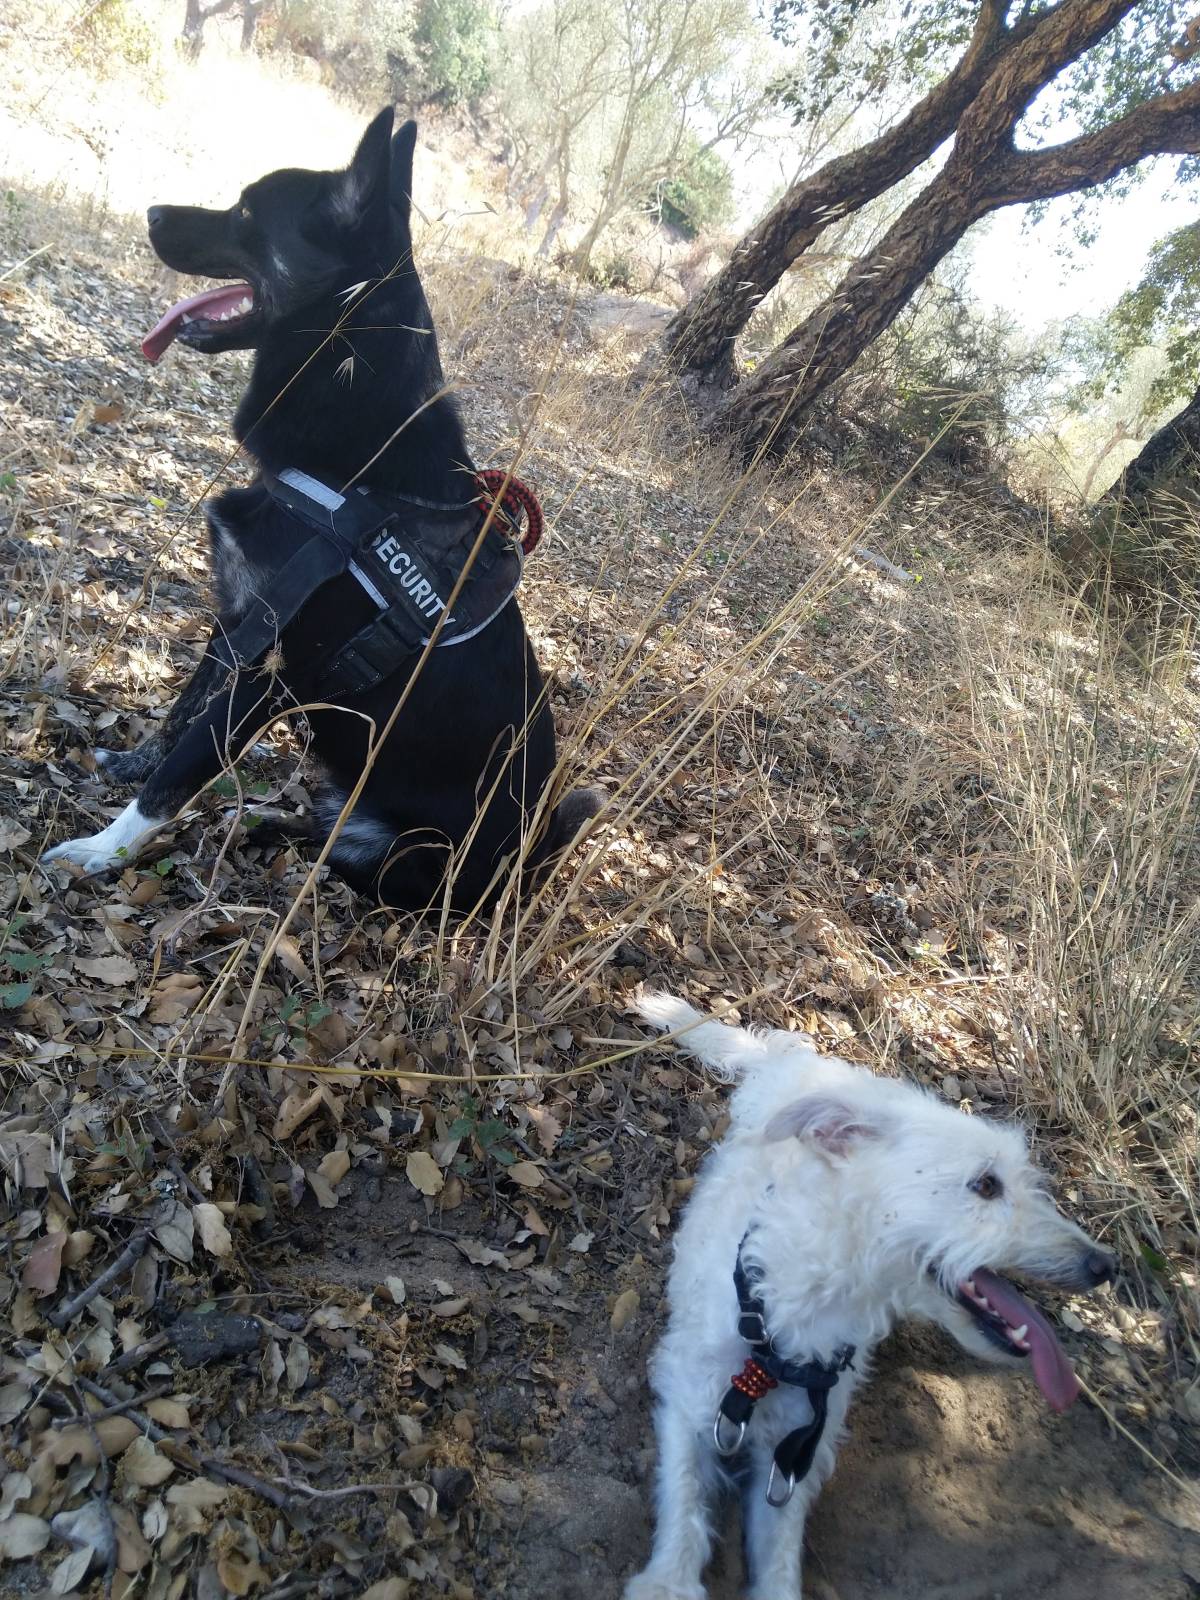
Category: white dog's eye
<point>987,1186</point>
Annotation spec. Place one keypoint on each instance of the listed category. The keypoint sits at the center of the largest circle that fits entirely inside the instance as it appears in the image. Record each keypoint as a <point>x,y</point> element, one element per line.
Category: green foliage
<point>852,51</point>
<point>959,376</point>
<point>354,39</point>
<point>113,30</point>
<point>853,48</point>
<point>19,969</point>
<point>699,195</point>
<point>1164,310</point>
<point>859,47</point>
<point>487,1132</point>
<point>454,47</point>
<point>293,1021</point>
<point>615,271</point>
<point>605,101</point>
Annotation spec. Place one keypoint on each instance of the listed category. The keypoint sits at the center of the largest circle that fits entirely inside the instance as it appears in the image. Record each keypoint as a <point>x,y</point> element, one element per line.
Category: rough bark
<point>700,337</point>
<point>763,410</point>
<point>1172,452</point>
<point>984,173</point>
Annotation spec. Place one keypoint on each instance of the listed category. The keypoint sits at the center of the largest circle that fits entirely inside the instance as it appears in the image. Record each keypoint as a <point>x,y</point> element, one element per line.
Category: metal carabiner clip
<point>727,1449</point>
<point>774,1498</point>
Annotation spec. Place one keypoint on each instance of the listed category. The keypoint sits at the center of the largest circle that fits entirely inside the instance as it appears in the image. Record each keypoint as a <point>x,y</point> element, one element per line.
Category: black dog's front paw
<point>128,766</point>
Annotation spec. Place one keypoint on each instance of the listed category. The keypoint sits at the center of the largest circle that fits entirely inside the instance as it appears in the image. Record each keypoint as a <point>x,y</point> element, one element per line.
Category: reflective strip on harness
<point>407,578</point>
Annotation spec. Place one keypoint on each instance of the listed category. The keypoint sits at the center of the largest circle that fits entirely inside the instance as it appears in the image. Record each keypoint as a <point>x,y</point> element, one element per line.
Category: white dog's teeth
<point>1021,1344</point>
<point>1018,1334</point>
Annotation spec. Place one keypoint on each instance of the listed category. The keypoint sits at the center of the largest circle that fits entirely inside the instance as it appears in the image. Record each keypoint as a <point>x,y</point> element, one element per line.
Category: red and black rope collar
<point>517,499</point>
<point>765,1370</point>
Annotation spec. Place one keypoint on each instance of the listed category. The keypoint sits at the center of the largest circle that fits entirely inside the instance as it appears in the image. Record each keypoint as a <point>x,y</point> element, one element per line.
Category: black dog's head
<point>324,291</point>
<point>289,241</point>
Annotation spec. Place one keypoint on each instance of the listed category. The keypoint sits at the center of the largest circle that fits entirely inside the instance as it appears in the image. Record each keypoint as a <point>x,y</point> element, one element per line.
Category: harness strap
<point>764,1370</point>
<point>363,534</point>
<point>317,561</point>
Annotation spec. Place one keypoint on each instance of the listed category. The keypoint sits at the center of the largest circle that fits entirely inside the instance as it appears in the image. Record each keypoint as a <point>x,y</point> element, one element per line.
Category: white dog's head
<point>938,1204</point>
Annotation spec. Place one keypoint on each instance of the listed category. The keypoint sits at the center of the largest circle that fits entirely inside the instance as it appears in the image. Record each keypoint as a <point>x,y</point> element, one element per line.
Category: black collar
<point>766,1369</point>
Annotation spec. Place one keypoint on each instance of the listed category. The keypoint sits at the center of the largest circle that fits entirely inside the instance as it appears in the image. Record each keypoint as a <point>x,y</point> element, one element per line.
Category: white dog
<point>841,1202</point>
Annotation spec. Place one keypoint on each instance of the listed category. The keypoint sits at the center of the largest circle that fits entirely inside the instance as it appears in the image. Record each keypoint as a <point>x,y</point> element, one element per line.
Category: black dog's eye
<point>988,1186</point>
<point>244,213</point>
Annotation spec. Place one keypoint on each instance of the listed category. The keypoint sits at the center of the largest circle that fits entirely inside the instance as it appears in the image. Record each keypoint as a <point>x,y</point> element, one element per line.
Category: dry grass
<point>949,826</point>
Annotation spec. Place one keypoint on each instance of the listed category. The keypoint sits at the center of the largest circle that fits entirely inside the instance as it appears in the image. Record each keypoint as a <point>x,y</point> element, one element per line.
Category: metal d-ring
<point>776,1499</point>
<point>731,1449</point>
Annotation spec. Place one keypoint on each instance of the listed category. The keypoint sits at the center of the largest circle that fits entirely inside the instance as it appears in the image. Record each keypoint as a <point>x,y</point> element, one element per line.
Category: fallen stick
<point>129,1257</point>
<point>203,1465</point>
<point>889,568</point>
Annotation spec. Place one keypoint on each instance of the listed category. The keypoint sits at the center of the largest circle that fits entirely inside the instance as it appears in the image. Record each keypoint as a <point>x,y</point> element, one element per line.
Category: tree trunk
<point>1171,453</point>
<point>1118,436</point>
<point>251,10</point>
<point>196,14</point>
<point>192,33</point>
<point>610,199</point>
<point>562,205</point>
<point>700,337</point>
<point>984,173</point>
<point>764,409</point>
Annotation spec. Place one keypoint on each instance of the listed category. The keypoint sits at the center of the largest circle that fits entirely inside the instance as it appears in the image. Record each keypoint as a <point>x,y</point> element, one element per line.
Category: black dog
<point>360,456</point>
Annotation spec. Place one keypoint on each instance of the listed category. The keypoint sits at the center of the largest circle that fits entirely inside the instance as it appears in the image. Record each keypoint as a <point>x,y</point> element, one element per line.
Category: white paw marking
<point>112,845</point>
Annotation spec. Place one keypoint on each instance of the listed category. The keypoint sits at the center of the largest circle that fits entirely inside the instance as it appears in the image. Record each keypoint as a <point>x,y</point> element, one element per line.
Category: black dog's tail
<point>569,816</point>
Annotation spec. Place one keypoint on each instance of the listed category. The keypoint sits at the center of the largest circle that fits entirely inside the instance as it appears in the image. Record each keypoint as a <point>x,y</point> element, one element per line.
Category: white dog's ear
<point>830,1123</point>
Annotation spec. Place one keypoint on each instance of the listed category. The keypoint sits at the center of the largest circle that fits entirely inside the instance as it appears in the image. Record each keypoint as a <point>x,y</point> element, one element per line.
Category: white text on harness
<point>400,564</point>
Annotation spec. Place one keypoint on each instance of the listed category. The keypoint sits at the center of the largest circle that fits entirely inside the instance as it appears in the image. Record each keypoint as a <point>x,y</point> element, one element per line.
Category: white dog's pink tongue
<point>1054,1373</point>
<point>212,305</point>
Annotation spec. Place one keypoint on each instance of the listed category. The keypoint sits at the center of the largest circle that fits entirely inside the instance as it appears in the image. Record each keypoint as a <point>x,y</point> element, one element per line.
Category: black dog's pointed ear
<point>403,145</point>
<point>363,192</point>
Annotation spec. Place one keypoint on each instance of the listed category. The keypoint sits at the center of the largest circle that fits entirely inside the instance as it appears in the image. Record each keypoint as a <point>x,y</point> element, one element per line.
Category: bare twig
<point>129,1257</point>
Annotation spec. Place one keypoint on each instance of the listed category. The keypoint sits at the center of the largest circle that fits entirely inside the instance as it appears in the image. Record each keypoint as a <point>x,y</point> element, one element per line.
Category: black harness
<point>766,1369</point>
<point>408,578</point>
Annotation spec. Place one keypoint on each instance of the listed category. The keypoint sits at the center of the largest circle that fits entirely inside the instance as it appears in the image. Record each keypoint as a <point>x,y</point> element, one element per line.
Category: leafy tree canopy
<point>699,194</point>
<point>898,49</point>
<point>1164,310</point>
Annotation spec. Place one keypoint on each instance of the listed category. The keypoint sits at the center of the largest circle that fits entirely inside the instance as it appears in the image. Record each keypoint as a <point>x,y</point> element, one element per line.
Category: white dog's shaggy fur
<point>862,1200</point>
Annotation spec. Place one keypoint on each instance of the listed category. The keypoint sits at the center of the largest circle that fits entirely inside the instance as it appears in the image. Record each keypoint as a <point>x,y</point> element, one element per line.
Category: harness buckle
<point>727,1450</point>
<point>779,1497</point>
<point>752,1327</point>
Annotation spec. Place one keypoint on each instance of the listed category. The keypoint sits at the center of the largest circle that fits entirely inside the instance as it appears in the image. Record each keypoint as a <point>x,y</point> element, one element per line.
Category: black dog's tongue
<point>214,305</point>
<point>1054,1373</point>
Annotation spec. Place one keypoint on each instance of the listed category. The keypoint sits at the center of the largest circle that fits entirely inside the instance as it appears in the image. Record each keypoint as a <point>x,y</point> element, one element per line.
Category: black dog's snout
<point>1099,1267</point>
<point>155,216</point>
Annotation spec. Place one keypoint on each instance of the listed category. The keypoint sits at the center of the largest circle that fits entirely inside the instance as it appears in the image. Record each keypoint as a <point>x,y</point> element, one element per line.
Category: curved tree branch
<point>700,337</point>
